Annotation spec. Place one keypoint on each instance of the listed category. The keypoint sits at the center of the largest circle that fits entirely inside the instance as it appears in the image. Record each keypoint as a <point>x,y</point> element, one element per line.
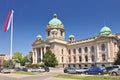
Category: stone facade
<point>100,50</point>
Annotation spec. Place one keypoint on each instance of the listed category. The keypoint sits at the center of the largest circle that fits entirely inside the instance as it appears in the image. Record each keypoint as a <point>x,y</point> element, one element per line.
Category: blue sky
<point>82,18</point>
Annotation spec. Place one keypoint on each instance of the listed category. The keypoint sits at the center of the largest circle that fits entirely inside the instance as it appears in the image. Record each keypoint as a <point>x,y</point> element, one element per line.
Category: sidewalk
<point>52,78</point>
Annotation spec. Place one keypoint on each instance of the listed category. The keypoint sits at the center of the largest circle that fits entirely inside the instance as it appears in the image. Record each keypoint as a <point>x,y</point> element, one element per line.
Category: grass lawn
<point>76,77</point>
<point>25,73</point>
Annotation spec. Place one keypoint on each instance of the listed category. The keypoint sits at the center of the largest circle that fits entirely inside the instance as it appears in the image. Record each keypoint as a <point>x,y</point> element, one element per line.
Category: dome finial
<point>55,15</point>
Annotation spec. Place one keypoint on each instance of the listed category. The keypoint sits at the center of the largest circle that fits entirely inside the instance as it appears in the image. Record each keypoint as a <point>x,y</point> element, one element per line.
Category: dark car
<point>46,69</point>
<point>95,70</point>
<point>17,69</point>
<point>1,69</point>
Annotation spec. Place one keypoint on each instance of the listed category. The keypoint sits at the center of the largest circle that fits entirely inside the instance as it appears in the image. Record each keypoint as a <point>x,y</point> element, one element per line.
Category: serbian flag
<point>8,21</point>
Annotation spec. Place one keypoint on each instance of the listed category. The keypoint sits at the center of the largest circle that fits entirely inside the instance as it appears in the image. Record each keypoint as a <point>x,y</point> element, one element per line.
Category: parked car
<point>5,70</point>
<point>40,69</point>
<point>1,69</point>
<point>79,71</point>
<point>46,69</point>
<point>115,71</point>
<point>67,69</point>
<point>109,68</point>
<point>95,70</point>
<point>27,69</point>
<point>70,70</point>
<point>17,69</point>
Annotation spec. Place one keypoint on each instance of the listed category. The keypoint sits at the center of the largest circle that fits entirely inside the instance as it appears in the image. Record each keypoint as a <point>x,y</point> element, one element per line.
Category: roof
<point>105,31</point>
<point>55,21</point>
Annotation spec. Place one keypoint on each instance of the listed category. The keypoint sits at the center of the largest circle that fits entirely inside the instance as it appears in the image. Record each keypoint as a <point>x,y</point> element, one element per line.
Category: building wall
<point>69,54</point>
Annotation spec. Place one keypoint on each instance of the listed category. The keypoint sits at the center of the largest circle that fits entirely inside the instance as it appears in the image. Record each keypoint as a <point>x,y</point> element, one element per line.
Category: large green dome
<point>105,31</point>
<point>55,21</point>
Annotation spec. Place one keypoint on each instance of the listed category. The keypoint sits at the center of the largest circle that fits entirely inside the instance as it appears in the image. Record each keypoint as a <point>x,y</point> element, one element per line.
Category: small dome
<point>39,37</point>
<point>105,31</point>
<point>55,21</point>
<point>71,36</point>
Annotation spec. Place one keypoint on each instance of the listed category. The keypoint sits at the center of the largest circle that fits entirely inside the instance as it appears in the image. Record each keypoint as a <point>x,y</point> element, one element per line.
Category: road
<point>42,76</point>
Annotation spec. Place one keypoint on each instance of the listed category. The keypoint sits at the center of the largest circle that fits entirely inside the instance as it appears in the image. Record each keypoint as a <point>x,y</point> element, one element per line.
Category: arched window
<point>80,58</point>
<point>69,59</point>
<point>86,58</point>
<point>103,57</point>
<point>62,59</point>
<point>93,58</point>
<point>74,59</point>
<point>92,49</point>
<point>74,51</point>
<point>48,33</point>
<point>69,51</point>
<point>86,49</point>
<point>61,51</point>
<point>61,33</point>
<point>103,47</point>
<point>79,50</point>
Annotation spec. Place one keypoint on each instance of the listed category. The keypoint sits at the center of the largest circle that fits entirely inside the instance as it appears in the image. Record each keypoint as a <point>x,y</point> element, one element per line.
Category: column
<point>44,50</point>
<point>108,51</point>
<point>41,55</point>
<point>89,54</point>
<point>97,53</point>
<point>83,57</point>
<point>35,55</point>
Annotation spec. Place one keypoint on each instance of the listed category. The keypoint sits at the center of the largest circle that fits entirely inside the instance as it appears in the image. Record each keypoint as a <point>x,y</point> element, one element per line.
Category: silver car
<point>115,71</point>
<point>79,71</point>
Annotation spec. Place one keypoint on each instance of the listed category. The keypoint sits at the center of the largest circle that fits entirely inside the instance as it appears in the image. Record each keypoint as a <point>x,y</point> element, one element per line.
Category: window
<point>79,50</point>
<point>61,33</point>
<point>48,33</point>
<point>74,51</point>
<point>103,47</point>
<point>103,57</point>
<point>85,65</point>
<point>62,59</point>
<point>79,65</point>
<point>92,49</point>
<point>86,49</point>
<point>80,58</point>
<point>93,58</point>
<point>69,59</point>
<point>69,51</point>
<point>86,58</point>
<point>62,51</point>
<point>74,59</point>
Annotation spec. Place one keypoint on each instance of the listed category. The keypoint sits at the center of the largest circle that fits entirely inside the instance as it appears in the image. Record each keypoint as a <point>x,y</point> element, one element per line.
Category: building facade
<point>100,50</point>
<point>2,58</point>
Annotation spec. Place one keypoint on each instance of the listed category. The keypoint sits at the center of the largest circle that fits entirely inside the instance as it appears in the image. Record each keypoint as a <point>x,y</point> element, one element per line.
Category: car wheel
<point>86,73</point>
<point>114,73</point>
<point>99,73</point>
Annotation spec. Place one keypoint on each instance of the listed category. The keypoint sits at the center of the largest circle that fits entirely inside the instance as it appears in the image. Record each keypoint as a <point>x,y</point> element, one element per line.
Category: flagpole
<point>11,41</point>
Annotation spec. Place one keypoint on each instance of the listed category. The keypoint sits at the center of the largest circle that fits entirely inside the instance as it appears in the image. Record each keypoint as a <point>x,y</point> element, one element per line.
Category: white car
<point>115,71</point>
<point>37,69</point>
<point>5,70</point>
<point>79,71</point>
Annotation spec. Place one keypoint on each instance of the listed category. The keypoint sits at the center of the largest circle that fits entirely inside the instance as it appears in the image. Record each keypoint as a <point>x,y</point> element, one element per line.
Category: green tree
<point>6,63</point>
<point>19,58</point>
<point>49,59</point>
<point>117,61</point>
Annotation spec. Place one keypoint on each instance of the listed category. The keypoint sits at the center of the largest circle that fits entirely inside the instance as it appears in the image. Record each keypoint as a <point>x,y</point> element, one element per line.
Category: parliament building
<point>100,50</point>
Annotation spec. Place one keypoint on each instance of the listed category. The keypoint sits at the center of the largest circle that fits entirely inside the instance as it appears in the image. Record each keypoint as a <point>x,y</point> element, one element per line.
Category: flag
<point>8,21</point>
